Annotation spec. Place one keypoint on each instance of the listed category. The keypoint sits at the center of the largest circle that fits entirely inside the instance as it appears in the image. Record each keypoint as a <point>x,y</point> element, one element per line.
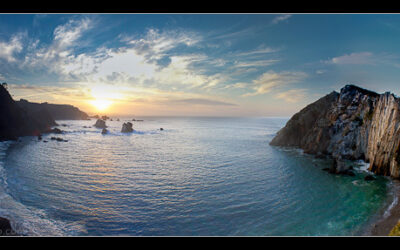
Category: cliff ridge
<point>353,124</point>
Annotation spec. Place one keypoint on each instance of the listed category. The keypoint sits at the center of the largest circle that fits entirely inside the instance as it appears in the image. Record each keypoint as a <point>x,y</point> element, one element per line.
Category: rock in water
<point>100,124</point>
<point>369,178</point>
<point>353,124</point>
<point>56,131</point>
<point>104,131</point>
<point>127,127</point>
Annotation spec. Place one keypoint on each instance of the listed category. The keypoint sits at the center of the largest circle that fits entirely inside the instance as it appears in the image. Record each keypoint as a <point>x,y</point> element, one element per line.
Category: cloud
<point>281,18</point>
<point>354,58</point>
<point>60,52</point>
<point>260,51</point>
<point>259,63</point>
<point>147,65</point>
<point>292,96</point>
<point>202,101</point>
<point>9,49</point>
<point>272,80</point>
<point>238,85</point>
<point>65,35</point>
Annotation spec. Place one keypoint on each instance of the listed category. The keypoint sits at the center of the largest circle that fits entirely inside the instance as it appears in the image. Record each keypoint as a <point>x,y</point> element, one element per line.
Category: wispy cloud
<point>354,58</point>
<point>259,63</point>
<point>272,80</point>
<point>293,95</point>
<point>59,52</point>
<point>202,101</point>
<point>281,18</point>
<point>65,35</point>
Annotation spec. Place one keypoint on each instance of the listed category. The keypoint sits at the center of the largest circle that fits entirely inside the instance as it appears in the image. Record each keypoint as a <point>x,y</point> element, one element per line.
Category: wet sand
<point>385,224</point>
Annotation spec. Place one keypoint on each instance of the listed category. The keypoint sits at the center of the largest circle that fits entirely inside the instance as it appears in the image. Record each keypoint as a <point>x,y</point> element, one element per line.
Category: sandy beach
<point>390,217</point>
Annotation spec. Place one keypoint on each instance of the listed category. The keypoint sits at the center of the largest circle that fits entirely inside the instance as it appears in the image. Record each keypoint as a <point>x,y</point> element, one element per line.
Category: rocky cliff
<point>353,124</point>
<point>57,111</point>
<point>15,121</point>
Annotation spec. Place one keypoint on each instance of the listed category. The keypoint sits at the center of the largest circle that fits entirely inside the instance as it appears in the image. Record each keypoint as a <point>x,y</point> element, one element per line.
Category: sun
<point>101,104</point>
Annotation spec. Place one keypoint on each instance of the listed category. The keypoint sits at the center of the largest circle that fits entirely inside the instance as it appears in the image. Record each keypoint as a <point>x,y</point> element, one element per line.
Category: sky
<point>196,64</point>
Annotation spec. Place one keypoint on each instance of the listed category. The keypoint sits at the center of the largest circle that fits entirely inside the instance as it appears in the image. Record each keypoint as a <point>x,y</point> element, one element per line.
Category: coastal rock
<point>104,131</point>
<point>55,111</point>
<point>127,127</point>
<point>353,124</point>
<point>56,131</point>
<point>100,124</point>
<point>58,139</point>
<point>16,121</point>
<point>5,228</point>
<point>369,178</point>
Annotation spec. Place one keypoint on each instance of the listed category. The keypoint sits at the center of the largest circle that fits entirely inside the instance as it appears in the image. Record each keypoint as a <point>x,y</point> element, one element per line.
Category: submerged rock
<point>56,131</point>
<point>58,139</point>
<point>369,178</point>
<point>104,131</point>
<point>100,124</point>
<point>127,127</point>
<point>353,124</point>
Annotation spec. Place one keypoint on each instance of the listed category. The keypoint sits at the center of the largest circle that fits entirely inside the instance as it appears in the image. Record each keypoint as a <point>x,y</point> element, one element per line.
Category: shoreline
<point>388,218</point>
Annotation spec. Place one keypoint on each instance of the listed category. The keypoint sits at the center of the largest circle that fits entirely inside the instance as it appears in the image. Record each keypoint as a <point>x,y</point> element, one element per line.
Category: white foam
<point>363,166</point>
<point>392,205</point>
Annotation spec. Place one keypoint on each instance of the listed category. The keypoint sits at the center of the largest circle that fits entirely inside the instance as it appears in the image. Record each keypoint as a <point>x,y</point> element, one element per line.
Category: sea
<point>199,176</point>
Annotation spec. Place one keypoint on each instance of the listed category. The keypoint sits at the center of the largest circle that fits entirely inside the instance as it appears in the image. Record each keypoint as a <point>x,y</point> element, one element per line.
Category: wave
<point>27,220</point>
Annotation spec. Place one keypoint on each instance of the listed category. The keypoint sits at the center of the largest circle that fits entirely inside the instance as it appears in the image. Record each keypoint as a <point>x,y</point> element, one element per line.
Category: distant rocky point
<point>23,118</point>
<point>16,121</point>
<point>353,124</point>
<point>57,111</point>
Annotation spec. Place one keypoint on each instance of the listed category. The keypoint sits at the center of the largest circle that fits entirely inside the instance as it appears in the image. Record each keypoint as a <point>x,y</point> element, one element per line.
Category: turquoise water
<point>200,176</point>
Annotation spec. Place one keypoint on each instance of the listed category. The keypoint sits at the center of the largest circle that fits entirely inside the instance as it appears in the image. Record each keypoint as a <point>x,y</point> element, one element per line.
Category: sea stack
<point>127,127</point>
<point>353,124</point>
<point>100,123</point>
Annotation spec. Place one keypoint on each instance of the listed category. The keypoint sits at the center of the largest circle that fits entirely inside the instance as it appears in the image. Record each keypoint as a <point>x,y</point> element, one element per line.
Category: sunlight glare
<point>101,104</point>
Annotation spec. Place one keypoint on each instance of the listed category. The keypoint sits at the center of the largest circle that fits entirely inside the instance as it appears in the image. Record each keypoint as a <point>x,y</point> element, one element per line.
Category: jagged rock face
<point>353,124</point>
<point>384,138</point>
<point>308,129</point>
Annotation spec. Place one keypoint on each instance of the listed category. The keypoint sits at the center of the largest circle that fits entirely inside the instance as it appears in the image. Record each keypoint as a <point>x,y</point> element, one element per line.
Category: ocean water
<point>199,176</point>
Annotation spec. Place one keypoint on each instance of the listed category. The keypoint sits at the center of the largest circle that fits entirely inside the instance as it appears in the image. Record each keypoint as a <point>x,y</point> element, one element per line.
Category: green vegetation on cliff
<point>395,231</point>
